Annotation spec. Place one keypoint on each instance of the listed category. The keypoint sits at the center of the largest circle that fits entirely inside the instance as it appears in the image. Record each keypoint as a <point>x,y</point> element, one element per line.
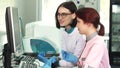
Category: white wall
<point>49,8</point>
<point>28,11</point>
<point>44,10</point>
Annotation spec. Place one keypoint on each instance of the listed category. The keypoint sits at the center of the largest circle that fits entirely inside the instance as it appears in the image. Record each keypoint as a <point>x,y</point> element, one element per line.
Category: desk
<point>17,66</point>
<point>14,65</point>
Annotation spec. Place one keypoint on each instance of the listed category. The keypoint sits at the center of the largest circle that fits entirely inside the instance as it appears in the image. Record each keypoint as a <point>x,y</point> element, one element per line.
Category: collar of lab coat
<point>91,36</point>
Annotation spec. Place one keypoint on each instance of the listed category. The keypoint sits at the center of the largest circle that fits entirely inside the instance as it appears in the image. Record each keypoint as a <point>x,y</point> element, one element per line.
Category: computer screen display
<point>14,35</point>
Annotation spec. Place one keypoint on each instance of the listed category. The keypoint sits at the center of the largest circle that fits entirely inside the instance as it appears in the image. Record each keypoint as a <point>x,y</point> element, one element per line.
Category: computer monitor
<point>14,35</point>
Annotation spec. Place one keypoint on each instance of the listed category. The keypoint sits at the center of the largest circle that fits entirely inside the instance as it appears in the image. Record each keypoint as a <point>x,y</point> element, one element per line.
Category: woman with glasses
<point>72,41</point>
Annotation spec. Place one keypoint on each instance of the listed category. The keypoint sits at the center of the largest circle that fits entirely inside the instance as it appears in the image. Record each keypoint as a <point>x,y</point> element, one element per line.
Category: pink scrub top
<point>95,54</point>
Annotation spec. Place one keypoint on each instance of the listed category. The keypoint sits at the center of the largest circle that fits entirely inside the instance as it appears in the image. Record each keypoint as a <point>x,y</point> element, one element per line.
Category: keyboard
<point>28,59</point>
<point>27,62</point>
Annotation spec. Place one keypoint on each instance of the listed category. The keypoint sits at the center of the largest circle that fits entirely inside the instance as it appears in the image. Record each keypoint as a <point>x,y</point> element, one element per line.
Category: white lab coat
<point>73,43</point>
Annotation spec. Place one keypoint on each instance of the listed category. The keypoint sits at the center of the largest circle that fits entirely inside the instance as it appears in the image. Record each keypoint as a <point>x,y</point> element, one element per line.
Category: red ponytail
<point>101,30</point>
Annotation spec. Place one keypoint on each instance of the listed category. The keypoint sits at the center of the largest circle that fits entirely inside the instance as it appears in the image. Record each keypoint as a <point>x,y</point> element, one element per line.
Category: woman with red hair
<point>95,53</point>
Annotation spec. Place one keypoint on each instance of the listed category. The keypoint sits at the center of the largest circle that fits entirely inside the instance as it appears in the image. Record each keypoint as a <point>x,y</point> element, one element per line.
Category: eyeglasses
<point>63,15</point>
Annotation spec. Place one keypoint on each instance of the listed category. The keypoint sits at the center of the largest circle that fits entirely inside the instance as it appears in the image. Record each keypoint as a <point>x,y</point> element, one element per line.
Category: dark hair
<point>71,7</point>
<point>91,15</point>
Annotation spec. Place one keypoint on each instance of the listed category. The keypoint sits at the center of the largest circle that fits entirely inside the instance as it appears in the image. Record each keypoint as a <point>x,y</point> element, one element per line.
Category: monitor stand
<point>7,56</point>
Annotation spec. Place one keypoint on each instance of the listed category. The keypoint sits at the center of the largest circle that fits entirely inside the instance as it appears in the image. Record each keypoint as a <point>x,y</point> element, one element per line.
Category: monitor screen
<point>14,35</point>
